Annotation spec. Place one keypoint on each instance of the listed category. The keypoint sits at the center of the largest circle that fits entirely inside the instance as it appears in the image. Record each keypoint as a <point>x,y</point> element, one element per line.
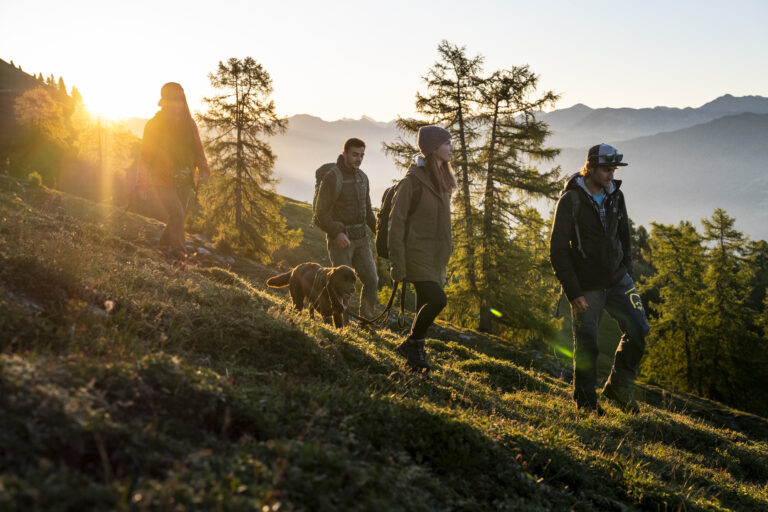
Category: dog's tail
<point>279,280</point>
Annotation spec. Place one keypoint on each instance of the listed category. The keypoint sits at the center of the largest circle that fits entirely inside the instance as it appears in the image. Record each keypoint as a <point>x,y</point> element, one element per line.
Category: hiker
<point>590,251</point>
<point>420,243</point>
<point>171,163</point>
<point>343,212</point>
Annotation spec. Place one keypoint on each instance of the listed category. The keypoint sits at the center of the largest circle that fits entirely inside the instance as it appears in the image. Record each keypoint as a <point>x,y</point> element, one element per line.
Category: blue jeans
<point>622,302</point>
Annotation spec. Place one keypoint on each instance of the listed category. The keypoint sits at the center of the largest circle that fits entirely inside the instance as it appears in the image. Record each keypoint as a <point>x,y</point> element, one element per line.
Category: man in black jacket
<point>590,251</point>
<point>343,212</point>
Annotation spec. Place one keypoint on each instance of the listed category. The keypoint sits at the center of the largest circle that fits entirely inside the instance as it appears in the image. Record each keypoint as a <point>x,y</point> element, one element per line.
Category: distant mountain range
<point>581,126</point>
<point>684,163</point>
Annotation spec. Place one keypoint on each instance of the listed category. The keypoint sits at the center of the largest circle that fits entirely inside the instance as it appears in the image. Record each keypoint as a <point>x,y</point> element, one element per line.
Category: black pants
<point>430,301</point>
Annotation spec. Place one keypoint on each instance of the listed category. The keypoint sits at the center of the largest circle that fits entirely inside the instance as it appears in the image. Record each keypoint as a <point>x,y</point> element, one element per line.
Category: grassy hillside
<point>130,384</point>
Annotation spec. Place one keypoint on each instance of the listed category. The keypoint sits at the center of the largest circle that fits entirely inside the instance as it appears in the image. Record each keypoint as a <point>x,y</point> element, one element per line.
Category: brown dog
<point>328,289</point>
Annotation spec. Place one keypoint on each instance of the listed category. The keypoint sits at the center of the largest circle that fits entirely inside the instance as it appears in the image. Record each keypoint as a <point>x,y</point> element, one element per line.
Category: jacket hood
<point>577,181</point>
<point>419,172</point>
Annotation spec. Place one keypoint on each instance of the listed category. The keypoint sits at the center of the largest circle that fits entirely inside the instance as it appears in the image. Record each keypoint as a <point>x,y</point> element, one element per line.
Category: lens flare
<point>562,350</point>
<point>496,313</point>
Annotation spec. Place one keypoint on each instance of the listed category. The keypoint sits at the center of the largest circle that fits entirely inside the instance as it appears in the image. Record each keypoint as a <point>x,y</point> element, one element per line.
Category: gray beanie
<point>430,138</point>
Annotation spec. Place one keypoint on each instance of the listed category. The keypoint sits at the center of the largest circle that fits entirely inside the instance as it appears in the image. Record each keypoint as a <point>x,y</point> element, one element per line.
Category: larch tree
<point>729,339</point>
<point>678,255</point>
<point>514,140</point>
<point>449,101</point>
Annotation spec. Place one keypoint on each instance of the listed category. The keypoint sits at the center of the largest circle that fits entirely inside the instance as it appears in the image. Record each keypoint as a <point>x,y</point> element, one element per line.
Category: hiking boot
<point>413,351</point>
<point>590,407</point>
<point>622,396</point>
<point>423,355</point>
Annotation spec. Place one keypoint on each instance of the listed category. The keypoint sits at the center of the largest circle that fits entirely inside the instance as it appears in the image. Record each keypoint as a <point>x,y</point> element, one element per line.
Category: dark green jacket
<point>420,244</point>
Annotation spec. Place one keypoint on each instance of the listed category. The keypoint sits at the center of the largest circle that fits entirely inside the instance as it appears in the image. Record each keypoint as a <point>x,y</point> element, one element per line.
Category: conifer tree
<point>451,96</point>
<point>42,138</point>
<point>77,98</point>
<point>756,257</point>
<point>514,141</point>
<point>673,345</point>
<point>728,339</point>
<point>497,140</point>
<point>240,202</point>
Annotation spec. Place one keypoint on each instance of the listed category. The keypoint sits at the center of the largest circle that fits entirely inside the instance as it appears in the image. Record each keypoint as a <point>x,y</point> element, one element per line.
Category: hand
<point>397,274</point>
<point>342,240</point>
<point>579,304</point>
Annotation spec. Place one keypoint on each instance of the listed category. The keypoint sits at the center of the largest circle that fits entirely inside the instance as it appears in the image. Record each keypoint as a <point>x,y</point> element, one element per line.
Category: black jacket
<point>607,250</point>
<point>352,211</point>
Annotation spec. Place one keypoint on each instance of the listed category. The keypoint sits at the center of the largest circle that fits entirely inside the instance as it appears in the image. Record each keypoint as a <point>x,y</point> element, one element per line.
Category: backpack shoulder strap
<point>415,196</point>
<point>575,206</point>
<point>364,177</point>
<point>339,182</point>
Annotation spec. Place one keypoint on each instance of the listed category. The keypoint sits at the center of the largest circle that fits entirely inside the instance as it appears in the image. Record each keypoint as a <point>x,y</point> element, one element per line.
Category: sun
<point>115,105</point>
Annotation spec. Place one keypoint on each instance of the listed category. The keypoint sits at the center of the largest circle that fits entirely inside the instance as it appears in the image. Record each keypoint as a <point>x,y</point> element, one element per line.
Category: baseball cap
<point>605,154</point>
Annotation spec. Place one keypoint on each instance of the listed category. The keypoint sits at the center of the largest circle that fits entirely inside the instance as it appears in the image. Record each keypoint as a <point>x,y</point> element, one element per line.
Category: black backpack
<point>382,220</point>
<point>575,204</point>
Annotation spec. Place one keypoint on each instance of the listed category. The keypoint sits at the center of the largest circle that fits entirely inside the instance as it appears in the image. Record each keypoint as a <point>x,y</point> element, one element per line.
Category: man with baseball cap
<point>590,251</point>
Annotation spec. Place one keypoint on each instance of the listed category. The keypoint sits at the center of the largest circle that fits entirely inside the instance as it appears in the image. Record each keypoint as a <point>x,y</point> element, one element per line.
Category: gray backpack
<point>340,181</point>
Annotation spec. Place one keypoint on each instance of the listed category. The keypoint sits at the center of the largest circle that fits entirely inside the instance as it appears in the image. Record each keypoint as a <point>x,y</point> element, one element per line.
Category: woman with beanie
<point>420,235</point>
<point>171,162</point>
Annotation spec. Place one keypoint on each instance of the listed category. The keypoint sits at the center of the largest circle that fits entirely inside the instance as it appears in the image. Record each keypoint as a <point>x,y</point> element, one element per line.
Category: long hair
<point>446,181</point>
<point>586,168</point>
<point>173,91</point>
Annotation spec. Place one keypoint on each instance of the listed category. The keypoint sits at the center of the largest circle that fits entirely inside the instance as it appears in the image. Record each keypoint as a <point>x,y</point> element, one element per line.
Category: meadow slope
<point>129,384</point>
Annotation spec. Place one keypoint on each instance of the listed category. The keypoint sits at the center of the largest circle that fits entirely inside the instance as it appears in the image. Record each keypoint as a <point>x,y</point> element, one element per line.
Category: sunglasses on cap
<point>615,158</point>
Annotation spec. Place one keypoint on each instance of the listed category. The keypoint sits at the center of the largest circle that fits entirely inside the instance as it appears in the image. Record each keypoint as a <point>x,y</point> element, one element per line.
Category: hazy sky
<point>339,59</point>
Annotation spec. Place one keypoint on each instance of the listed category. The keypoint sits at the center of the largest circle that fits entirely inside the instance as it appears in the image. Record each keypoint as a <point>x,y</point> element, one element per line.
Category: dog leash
<point>381,318</point>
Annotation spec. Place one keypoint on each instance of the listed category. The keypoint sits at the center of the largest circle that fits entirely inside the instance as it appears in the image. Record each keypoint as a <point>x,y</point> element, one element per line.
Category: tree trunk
<point>466,198</point>
<point>486,324</point>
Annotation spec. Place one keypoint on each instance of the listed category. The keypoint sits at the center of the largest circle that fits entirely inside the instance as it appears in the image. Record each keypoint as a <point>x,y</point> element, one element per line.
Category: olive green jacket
<point>420,245</point>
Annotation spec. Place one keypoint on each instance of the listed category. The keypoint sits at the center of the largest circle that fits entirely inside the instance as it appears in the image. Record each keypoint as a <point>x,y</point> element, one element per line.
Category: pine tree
<point>240,201</point>
<point>61,86</point>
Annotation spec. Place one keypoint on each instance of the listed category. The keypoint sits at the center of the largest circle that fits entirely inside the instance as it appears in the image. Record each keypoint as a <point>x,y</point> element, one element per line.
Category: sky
<point>347,59</point>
